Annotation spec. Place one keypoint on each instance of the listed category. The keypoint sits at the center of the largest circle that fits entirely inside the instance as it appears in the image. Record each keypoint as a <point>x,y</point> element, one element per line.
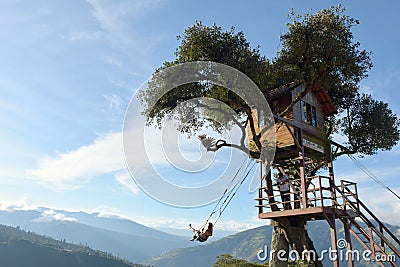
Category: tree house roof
<point>320,93</point>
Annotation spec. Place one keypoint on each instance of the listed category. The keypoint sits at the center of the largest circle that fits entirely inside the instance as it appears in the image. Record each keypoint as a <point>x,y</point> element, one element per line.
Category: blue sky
<point>69,68</point>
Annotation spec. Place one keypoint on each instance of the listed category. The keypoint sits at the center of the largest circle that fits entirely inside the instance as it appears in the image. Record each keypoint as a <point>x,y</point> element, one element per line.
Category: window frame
<point>308,113</point>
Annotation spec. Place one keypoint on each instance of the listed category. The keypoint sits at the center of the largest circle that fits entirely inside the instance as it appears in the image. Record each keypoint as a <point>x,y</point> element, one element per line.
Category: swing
<point>202,235</point>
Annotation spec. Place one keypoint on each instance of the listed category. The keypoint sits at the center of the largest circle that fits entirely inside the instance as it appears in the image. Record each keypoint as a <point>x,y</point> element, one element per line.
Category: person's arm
<point>285,179</point>
<point>194,230</point>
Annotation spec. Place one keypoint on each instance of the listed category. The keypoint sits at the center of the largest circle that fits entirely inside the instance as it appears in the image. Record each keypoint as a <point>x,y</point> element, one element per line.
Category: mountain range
<point>121,237</point>
<point>20,248</point>
<point>246,245</point>
<point>138,243</point>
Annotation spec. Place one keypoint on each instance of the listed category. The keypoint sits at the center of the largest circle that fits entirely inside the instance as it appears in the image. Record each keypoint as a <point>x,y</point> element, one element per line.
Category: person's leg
<point>288,205</point>
<point>196,236</point>
<point>285,196</point>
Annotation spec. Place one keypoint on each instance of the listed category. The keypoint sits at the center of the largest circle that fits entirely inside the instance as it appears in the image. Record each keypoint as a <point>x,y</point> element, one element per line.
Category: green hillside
<point>21,248</point>
<point>246,244</point>
<point>243,245</point>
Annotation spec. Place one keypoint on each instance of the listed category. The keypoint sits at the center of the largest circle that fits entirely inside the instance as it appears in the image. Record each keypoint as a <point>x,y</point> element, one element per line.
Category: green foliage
<point>227,260</point>
<point>245,245</point>
<point>203,43</point>
<point>370,125</point>
<point>21,248</point>
<point>316,49</point>
<point>200,42</point>
<point>319,49</point>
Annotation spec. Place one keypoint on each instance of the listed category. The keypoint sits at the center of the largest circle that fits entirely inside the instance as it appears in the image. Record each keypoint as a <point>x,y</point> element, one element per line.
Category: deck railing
<point>318,194</point>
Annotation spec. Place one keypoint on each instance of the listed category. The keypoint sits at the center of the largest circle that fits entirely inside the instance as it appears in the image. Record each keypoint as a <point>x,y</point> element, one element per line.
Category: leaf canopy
<point>317,49</point>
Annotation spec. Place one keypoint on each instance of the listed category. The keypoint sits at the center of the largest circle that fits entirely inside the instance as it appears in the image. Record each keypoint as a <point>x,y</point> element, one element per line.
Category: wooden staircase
<point>368,230</point>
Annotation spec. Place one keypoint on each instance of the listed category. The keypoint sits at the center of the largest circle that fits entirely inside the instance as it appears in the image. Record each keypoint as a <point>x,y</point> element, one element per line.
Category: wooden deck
<point>313,213</point>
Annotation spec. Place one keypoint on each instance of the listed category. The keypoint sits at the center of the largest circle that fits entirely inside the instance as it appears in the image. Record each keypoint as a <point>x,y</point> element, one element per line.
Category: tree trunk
<point>289,231</point>
<point>278,243</point>
<point>292,232</point>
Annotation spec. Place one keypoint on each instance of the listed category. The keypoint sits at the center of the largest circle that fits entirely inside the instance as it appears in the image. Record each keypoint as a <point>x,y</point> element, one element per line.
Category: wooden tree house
<point>300,142</point>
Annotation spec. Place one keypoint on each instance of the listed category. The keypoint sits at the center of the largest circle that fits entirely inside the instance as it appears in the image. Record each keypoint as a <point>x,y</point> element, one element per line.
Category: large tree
<point>316,50</point>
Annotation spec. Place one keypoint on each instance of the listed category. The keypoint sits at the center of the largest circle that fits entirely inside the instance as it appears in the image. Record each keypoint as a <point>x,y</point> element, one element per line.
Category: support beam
<point>349,249</point>
<point>334,242</point>
<point>331,177</point>
<point>260,191</point>
<point>302,170</point>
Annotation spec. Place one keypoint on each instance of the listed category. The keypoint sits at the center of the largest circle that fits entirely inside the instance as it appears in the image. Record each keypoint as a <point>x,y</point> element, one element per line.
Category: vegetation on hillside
<point>24,248</point>
<point>227,260</point>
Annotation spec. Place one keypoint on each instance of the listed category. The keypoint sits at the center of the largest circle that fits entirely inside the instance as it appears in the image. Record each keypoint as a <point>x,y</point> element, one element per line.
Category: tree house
<point>301,143</point>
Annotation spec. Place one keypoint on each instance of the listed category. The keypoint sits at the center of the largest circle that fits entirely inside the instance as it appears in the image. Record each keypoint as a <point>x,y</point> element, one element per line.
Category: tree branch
<point>256,137</point>
<point>223,143</point>
<point>299,96</point>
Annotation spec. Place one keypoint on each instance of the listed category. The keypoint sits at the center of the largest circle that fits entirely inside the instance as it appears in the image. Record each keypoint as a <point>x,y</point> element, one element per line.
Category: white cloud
<point>84,35</point>
<point>51,215</point>
<point>238,226</point>
<point>105,155</point>
<point>113,14</point>
<point>383,204</point>
<point>115,19</point>
<point>20,204</point>
<point>367,90</point>
<point>71,169</point>
<point>223,225</point>
<point>104,211</point>
<point>114,101</point>
<point>125,179</point>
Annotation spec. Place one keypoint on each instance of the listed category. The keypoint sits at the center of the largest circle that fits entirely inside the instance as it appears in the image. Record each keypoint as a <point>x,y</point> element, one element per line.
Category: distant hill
<point>121,237</point>
<point>245,245</point>
<point>20,248</point>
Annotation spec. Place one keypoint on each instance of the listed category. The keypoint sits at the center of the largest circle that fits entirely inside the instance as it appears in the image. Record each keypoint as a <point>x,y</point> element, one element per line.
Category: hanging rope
<point>372,176</point>
<point>222,196</point>
<point>229,194</point>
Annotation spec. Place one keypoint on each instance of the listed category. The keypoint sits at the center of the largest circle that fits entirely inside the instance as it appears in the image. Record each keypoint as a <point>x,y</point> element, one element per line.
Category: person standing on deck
<point>284,189</point>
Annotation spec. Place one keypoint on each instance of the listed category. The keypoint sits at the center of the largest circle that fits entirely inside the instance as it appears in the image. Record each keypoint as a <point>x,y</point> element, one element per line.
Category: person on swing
<point>202,236</point>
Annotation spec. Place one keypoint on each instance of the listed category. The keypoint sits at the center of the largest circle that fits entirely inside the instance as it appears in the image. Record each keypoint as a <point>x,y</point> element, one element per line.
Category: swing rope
<point>229,194</point>
<point>230,197</point>
<point>222,196</point>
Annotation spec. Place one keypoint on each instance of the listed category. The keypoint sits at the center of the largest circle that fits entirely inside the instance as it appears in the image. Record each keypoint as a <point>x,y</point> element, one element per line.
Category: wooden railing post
<point>260,191</point>
<point>321,193</point>
<point>350,259</point>
<point>302,170</point>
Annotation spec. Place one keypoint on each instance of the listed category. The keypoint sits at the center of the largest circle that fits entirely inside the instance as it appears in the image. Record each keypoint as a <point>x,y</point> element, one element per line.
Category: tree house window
<point>308,113</point>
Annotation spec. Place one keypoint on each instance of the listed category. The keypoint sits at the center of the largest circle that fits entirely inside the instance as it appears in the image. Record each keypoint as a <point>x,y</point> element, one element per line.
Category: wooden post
<point>331,178</point>
<point>371,241</point>
<point>334,242</point>
<point>260,191</point>
<point>381,231</point>
<point>302,171</point>
<point>321,193</point>
<point>349,249</point>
